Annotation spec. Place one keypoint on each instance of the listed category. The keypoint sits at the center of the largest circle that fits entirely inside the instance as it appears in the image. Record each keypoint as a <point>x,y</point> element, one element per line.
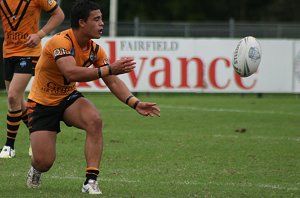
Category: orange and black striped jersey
<point>19,19</point>
<point>49,86</point>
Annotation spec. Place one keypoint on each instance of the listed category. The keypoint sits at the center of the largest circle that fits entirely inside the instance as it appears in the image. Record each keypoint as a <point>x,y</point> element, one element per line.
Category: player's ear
<point>81,23</point>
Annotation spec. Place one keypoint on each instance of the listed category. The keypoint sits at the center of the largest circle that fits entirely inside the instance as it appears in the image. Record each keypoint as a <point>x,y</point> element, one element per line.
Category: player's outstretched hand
<point>124,65</point>
<point>148,109</point>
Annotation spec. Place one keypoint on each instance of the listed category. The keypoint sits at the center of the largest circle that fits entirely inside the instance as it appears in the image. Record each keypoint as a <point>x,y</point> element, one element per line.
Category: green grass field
<point>195,149</point>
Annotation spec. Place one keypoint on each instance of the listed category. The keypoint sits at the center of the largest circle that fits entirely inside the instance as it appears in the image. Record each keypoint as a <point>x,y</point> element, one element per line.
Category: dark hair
<point>81,10</point>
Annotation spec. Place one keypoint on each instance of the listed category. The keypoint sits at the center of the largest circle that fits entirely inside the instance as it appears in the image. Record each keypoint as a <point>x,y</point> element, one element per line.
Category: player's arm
<point>57,17</point>
<point>121,91</point>
<point>74,73</point>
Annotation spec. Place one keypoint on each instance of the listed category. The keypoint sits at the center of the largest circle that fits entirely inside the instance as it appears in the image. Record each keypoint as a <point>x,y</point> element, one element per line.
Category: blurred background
<point>202,18</point>
<point>222,20</point>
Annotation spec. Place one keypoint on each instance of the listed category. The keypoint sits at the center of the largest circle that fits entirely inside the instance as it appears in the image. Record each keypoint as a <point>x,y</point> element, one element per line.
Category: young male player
<point>69,57</point>
<point>21,50</point>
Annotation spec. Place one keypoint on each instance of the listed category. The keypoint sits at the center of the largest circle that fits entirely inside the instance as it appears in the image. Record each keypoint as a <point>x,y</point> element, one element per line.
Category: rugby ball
<point>247,56</point>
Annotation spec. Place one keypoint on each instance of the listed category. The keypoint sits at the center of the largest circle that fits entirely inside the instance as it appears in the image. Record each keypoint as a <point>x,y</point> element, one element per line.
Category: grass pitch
<point>203,145</point>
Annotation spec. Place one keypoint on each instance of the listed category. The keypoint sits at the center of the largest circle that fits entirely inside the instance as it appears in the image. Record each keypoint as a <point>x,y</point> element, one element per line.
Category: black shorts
<point>48,118</point>
<point>18,64</point>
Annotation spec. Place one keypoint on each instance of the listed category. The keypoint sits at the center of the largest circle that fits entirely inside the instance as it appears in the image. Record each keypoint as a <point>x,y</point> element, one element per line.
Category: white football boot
<point>33,178</point>
<point>7,152</point>
<point>91,188</point>
<point>30,151</point>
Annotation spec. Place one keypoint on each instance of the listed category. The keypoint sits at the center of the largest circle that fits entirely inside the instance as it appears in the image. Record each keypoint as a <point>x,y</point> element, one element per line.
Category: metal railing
<point>230,29</point>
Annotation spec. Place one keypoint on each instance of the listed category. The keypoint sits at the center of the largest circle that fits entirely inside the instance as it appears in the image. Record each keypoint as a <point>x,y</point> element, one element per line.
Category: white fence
<point>200,65</point>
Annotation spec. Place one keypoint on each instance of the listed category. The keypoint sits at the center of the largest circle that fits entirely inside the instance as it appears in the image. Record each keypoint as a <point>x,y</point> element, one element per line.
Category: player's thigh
<point>7,83</point>
<point>18,83</point>
<point>81,114</point>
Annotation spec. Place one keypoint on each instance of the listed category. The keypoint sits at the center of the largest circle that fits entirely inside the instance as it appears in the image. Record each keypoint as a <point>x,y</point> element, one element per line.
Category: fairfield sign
<point>196,65</point>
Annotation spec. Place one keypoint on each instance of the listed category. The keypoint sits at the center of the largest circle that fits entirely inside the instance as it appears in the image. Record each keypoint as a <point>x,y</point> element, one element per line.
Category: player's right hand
<point>33,40</point>
<point>124,65</point>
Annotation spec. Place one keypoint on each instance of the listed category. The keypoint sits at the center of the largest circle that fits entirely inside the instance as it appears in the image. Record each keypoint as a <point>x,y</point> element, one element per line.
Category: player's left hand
<point>33,40</point>
<point>148,109</point>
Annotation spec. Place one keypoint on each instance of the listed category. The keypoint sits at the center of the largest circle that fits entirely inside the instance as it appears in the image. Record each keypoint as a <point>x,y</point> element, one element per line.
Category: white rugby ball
<point>247,56</point>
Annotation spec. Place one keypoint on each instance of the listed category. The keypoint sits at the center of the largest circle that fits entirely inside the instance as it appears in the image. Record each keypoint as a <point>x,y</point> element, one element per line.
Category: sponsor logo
<point>140,45</point>
<point>236,53</point>
<point>23,64</point>
<point>15,36</point>
<point>61,52</point>
<point>254,53</point>
<point>50,2</point>
<point>56,89</point>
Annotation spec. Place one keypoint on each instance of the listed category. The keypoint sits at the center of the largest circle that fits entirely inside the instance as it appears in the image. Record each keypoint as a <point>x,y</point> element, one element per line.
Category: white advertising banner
<point>198,65</point>
<point>296,67</point>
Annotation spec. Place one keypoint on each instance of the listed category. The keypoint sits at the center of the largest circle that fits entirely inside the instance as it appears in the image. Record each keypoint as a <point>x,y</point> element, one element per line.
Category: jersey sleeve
<point>102,59</point>
<point>48,5</point>
<point>58,47</point>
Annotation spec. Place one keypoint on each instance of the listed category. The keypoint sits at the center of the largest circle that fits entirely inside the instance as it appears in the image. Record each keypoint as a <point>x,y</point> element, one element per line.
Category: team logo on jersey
<point>92,57</point>
<point>61,52</point>
<point>106,61</point>
<point>50,2</point>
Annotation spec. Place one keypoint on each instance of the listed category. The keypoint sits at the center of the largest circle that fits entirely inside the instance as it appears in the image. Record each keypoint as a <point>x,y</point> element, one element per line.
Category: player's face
<point>94,24</point>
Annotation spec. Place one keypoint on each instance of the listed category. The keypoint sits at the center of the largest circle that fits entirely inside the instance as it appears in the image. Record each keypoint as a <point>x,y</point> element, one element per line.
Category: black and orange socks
<point>13,122</point>
<point>25,117</point>
<point>91,173</point>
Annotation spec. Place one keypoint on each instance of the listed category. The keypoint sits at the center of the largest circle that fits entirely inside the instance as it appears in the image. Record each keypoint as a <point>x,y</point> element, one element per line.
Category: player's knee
<point>43,164</point>
<point>95,125</point>
<point>12,98</point>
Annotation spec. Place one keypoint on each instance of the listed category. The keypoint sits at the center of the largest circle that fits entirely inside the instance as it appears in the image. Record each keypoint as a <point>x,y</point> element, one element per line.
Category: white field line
<point>272,186</point>
<point>296,139</point>
<point>190,183</point>
<point>191,108</point>
<point>124,180</point>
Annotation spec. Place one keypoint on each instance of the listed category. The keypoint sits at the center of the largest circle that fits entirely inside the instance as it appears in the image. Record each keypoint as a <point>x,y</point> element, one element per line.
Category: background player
<point>21,50</point>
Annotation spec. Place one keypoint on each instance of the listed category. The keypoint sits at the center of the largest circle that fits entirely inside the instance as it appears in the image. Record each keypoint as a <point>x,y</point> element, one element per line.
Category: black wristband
<point>126,101</point>
<point>110,70</point>
<point>135,104</point>
<point>99,72</point>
